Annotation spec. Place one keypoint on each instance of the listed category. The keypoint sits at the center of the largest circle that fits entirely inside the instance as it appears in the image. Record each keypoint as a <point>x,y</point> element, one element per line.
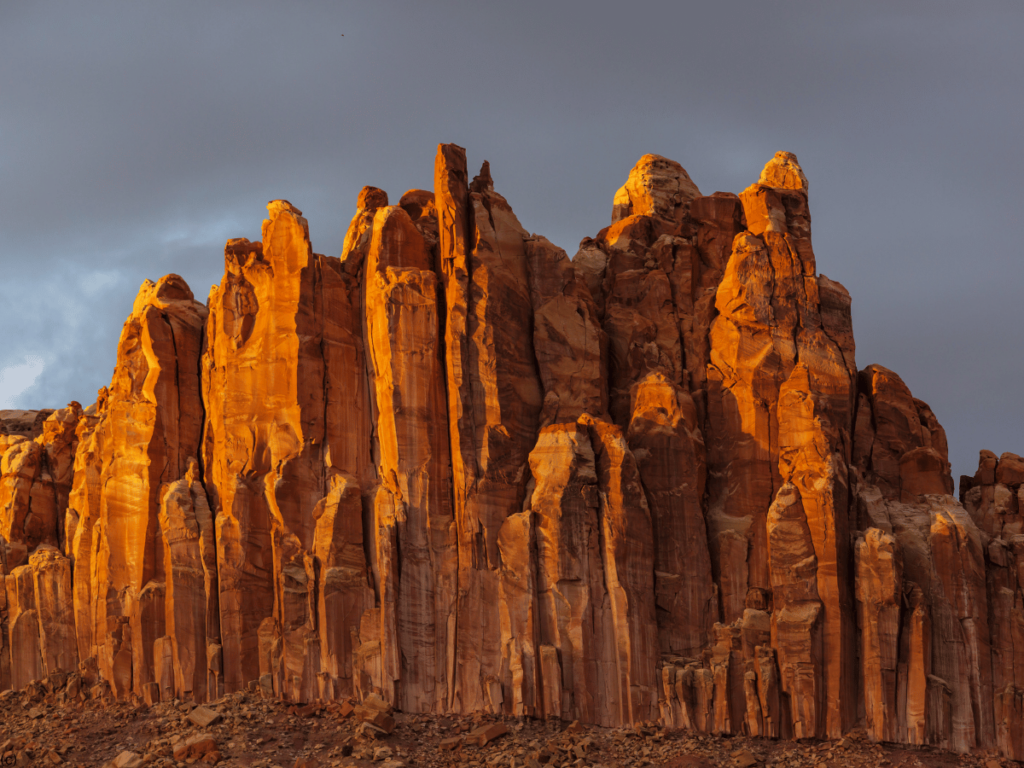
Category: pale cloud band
<point>17,378</point>
<point>137,137</point>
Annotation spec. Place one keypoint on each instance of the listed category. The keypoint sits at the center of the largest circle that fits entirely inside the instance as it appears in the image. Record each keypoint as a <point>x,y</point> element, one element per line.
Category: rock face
<point>936,636</point>
<point>455,471</point>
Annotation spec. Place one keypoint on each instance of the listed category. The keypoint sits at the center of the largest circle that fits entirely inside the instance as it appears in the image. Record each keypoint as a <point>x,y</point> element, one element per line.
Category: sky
<point>135,138</point>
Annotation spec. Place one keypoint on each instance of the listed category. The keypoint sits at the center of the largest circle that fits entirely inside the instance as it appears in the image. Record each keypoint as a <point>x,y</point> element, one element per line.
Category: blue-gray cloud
<point>136,137</point>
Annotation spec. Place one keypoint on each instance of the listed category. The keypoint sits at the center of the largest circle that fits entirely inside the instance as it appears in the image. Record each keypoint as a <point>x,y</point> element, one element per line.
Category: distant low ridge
<point>458,471</point>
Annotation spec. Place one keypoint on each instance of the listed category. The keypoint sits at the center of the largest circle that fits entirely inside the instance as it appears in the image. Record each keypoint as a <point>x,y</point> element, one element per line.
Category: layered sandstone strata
<point>457,470</point>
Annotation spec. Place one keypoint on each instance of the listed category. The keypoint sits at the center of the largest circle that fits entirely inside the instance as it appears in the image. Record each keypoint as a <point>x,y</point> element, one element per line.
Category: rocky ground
<point>244,729</point>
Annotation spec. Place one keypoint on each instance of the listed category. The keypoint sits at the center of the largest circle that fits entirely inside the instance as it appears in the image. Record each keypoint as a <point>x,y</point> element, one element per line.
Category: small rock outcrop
<point>454,471</point>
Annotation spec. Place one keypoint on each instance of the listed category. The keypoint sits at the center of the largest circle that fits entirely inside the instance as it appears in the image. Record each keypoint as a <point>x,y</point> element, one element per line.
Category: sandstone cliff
<point>458,470</point>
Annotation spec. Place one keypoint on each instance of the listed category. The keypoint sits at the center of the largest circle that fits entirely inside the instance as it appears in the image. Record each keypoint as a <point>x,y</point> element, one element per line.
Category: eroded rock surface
<point>453,471</point>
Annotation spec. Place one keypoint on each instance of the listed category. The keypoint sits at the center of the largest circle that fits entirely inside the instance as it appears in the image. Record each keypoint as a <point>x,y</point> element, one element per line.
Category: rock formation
<point>457,471</point>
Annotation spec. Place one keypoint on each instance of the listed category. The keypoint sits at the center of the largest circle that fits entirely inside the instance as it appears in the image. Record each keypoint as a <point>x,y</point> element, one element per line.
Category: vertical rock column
<point>36,476</point>
<point>568,341</point>
<point>652,272</point>
<point>348,421</point>
<point>627,541</point>
<point>495,399</point>
<point>992,497</point>
<point>352,456</point>
<point>569,345</point>
<point>718,219</point>
<point>263,384</point>
<point>35,481</point>
<point>191,595</point>
<point>961,656</point>
<point>451,200</point>
<point>649,265</point>
<point>518,614</point>
<point>575,625</point>
<point>344,593</point>
<point>416,552</point>
<point>597,628</point>
<point>797,616</point>
<point>944,683</point>
<point>879,584</point>
<point>151,427</point>
<point>82,516</point>
<point>780,409</point>
<point>901,447</point>
<point>26,662</point>
<point>669,449</point>
<point>51,578</point>
<point>814,439</point>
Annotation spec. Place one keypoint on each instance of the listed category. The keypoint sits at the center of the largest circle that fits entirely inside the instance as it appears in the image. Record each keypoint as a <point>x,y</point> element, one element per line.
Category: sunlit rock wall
<point>461,471</point>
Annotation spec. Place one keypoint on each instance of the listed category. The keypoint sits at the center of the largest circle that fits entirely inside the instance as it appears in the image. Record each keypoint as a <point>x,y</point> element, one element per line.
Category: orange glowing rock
<point>454,471</point>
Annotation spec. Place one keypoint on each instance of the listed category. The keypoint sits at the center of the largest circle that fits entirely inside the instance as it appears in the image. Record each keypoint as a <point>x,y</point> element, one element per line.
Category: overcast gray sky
<point>135,138</point>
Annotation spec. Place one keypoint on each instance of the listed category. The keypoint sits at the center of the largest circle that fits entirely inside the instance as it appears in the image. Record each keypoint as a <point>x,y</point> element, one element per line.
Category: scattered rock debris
<point>245,730</point>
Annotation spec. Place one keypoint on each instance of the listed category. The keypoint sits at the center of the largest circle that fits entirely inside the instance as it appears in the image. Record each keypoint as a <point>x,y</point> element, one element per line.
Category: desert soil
<point>252,732</point>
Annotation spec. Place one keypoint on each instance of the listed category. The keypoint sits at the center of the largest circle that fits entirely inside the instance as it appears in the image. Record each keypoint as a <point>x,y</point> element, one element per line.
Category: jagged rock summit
<point>458,471</point>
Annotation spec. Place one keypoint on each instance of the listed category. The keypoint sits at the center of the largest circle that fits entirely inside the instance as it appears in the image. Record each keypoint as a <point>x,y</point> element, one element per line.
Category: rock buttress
<point>777,331</point>
<point>597,632</point>
<point>141,433</point>
<point>415,529</point>
<point>494,401</point>
<point>944,686</point>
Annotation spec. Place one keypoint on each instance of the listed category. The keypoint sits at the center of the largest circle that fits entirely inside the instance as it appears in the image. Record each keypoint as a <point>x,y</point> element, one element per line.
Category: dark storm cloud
<point>136,137</point>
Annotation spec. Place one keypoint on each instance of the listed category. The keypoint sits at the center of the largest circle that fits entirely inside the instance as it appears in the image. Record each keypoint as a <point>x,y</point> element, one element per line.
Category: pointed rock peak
<point>173,288</point>
<point>277,206</point>
<point>483,181</point>
<point>416,202</point>
<point>419,204</point>
<point>143,297</point>
<point>371,198</point>
<point>451,204</point>
<point>656,186</point>
<point>239,251</point>
<point>451,159</point>
<point>168,290</point>
<point>874,378</point>
<point>283,218</point>
<point>784,172</point>
<point>240,245</point>
<point>396,242</point>
<point>360,229</point>
<point>451,151</point>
